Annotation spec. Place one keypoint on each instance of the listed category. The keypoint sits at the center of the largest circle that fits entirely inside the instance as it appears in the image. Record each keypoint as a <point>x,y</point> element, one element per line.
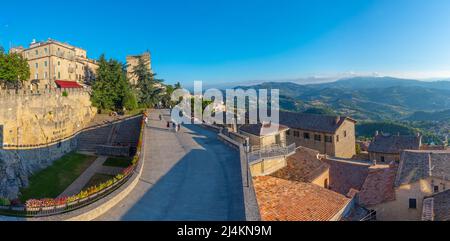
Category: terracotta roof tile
<point>312,122</point>
<point>303,166</point>
<point>394,144</point>
<point>346,175</point>
<point>379,185</point>
<point>284,200</point>
<point>437,207</point>
<point>417,165</point>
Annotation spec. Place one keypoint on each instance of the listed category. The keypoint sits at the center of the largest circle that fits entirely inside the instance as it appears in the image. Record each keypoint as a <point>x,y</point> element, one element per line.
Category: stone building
<point>331,135</point>
<point>52,60</point>
<point>386,148</point>
<point>133,61</point>
<point>260,138</point>
<point>420,174</point>
<point>268,150</point>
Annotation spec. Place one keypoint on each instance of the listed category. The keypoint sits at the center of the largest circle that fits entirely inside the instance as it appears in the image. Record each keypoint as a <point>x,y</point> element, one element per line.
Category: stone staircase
<point>88,140</point>
<point>127,133</point>
<point>120,133</point>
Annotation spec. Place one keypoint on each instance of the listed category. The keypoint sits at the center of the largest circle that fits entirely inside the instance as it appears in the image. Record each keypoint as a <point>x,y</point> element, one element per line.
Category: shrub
<point>129,101</point>
<point>65,94</point>
<point>4,202</point>
<point>358,149</point>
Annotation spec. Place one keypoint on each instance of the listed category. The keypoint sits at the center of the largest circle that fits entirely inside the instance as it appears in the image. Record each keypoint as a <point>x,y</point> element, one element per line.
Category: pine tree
<point>148,87</point>
<point>111,89</point>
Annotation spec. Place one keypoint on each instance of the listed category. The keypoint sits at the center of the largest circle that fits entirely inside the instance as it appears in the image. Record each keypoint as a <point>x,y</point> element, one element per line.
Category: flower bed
<point>58,205</point>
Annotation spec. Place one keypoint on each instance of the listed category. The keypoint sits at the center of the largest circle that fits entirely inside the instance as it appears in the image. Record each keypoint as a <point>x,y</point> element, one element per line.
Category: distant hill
<point>368,129</point>
<point>430,116</point>
<point>383,82</point>
<point>365,98</point>
<point>320,111</point>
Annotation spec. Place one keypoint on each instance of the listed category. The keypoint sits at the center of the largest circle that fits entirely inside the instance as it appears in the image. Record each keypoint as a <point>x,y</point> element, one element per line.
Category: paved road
<point>189,175</point>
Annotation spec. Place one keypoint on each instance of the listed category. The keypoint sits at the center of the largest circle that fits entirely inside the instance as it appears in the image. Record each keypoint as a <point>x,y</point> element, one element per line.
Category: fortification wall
<point>37,128</point>
<point>35,119</point>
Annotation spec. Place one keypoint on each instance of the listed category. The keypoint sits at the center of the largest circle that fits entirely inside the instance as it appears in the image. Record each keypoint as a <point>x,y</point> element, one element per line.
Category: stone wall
<point>34,119</point>
<point>37,128</point>
<point>105,150</point>
<point>17,165</point>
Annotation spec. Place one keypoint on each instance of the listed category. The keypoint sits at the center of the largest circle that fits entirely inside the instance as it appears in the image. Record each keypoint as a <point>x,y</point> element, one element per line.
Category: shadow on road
<point>205,184</point>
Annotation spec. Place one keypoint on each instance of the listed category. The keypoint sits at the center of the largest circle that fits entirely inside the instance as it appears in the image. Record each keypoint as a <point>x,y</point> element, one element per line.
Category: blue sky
<point>221,41</point>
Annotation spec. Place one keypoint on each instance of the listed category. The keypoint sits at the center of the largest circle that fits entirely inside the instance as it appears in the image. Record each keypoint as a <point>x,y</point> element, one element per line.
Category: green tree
<point>167,97</point>
<point>14,70</point>
<point>149,91</point>
<point>130,101</point>
<point>111,89</point>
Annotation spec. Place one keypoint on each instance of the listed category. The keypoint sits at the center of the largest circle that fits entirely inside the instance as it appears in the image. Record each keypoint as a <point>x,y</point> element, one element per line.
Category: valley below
<point>390,105</point>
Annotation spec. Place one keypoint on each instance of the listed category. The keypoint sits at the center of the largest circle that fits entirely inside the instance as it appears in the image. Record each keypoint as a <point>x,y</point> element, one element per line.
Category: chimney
<point>420,139</point>
<point>338,118</point>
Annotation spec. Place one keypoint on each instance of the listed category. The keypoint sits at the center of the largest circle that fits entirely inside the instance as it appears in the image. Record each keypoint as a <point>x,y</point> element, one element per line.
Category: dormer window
<point>436,189</point>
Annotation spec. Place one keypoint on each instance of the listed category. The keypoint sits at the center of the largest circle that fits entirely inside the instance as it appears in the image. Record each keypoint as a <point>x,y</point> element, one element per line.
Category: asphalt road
<point>189,175</point>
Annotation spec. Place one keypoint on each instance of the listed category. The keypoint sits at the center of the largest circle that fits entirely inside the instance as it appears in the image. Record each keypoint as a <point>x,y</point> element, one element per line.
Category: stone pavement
<point>189,175</point>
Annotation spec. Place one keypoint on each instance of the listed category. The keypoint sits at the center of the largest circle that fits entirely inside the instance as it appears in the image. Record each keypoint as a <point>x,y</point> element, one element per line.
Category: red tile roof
<point>67,84</point>
<point>345,175</point>
<point>284,200</point>
<point>379,185</point>
<point>304,166</point>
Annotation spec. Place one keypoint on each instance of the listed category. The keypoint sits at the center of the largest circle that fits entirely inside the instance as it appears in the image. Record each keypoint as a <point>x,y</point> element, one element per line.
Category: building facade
<point>386,148</point>
<point>331,135</point>
<point>133,61</point>
<point>259,139</point>
<point>53,60</point>
<point>420,174</point>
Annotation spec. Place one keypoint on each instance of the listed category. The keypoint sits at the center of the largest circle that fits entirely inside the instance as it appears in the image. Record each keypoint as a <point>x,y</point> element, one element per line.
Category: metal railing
<point>271,152</point>
<point>371,216</point>
<point>23,211</point>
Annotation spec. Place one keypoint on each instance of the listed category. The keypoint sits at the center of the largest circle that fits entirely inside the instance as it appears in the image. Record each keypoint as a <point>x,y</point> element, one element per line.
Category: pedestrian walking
<point>168,124</point>
<point>160,117</point>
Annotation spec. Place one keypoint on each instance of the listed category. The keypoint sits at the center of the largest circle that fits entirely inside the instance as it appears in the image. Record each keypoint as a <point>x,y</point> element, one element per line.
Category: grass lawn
<point>52,181</point>
<point>98,178</point>
<point>118,162</point>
